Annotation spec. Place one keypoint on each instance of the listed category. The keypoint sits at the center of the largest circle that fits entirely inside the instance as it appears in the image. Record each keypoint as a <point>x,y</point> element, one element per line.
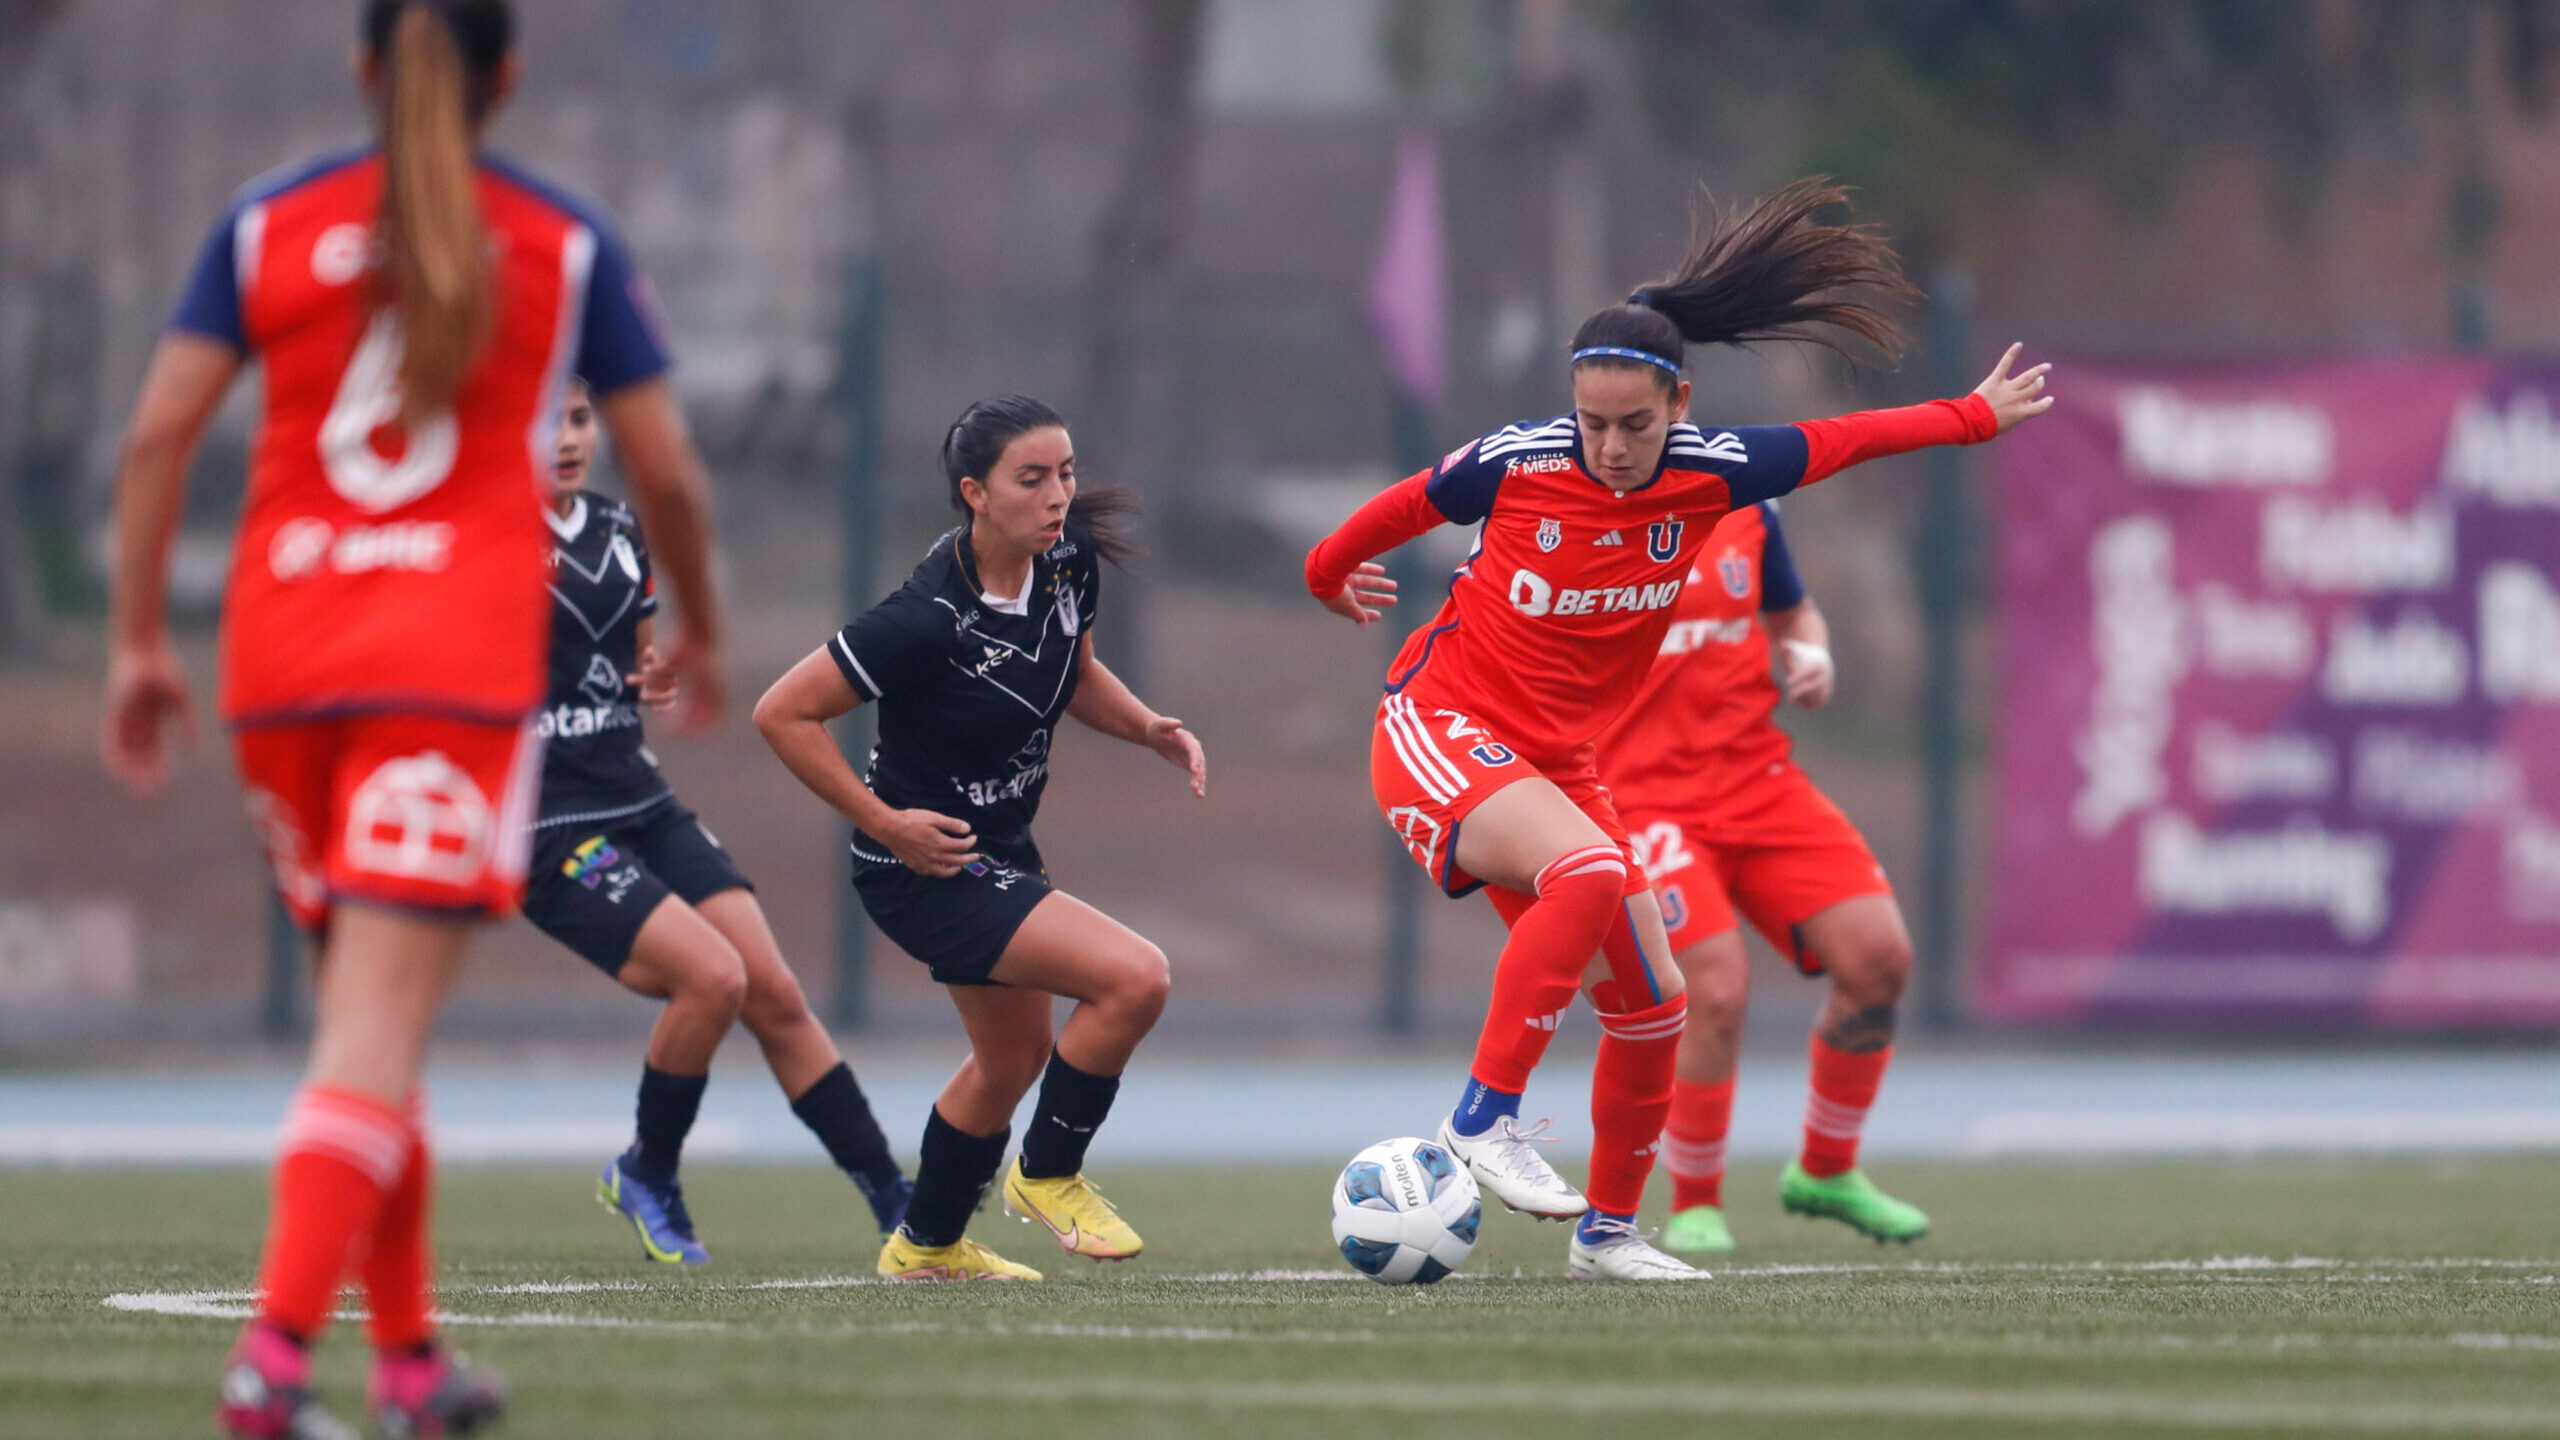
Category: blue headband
<point>1621,352</point>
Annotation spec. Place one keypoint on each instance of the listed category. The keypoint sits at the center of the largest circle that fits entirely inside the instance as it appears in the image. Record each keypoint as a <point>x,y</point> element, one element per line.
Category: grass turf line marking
<point>234,1305</point>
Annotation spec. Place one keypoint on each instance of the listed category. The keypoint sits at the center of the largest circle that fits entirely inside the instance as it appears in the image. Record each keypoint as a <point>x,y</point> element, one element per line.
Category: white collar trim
<point>1011,605</point>
<point>573,525</point>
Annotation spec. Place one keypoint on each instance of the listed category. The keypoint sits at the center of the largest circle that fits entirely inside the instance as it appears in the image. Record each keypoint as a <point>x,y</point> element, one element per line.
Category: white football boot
<point>1506,1162</point>
<point>1621,1253</point>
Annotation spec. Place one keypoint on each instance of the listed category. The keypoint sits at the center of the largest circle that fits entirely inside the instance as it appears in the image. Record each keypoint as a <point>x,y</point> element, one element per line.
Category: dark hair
<point>1772,272</point>
<point>977,440</point>
<point>438,60</point>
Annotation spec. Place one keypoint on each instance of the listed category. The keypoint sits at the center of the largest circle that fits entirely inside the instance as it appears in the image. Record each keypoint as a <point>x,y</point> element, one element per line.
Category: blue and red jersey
<point>1703,720</point>
<point>1552,622</point>
<point>379,568</point>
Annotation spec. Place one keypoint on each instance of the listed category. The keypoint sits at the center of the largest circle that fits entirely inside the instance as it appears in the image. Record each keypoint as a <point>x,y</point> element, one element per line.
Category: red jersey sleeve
<point>1393,515</point>
<point>1832,446</point>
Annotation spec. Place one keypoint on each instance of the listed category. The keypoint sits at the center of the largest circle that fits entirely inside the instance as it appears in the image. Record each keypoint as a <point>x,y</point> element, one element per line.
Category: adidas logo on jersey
<point>1549,1023</point>
<point>1612,538</point>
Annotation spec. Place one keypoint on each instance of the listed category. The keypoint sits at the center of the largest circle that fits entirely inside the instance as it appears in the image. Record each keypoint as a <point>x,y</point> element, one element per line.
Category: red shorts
<point>411,811</point>
<point>1431,768</point>
<point>1777,849</point>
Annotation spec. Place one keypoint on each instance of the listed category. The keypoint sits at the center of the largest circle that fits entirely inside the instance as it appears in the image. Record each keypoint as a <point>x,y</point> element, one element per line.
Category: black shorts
<point>591,887</point>
<point>957,926</point>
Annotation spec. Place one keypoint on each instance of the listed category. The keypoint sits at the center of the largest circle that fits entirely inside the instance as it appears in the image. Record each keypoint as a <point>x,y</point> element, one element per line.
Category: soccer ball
<point>1405,1212</point>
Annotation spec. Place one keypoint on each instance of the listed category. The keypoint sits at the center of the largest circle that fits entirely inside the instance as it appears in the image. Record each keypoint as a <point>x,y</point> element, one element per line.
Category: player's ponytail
<point>437,60</point>
<point>1773,272</point>
<point>977,440</point>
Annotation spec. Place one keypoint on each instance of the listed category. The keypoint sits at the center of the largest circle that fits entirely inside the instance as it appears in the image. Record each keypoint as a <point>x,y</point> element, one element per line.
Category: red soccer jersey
<point>1702,719</point>
<point>1551,624</point>
<point>375,570</point>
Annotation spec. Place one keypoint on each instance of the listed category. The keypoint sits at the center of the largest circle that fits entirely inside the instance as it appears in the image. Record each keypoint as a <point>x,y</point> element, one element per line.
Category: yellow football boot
<point>1074,1211</point>
<point>963,1259</point>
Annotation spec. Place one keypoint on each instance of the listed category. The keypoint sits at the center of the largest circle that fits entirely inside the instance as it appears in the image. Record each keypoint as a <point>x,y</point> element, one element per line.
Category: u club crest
<point>1550,534</point>
<point>1734,569</point>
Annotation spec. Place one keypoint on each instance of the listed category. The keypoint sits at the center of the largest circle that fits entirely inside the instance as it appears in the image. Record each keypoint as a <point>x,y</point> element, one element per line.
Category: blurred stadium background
<point>1167,216</point>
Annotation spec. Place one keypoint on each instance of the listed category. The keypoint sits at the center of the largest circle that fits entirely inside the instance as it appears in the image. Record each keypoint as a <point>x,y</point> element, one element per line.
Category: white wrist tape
<point>1805,660</point>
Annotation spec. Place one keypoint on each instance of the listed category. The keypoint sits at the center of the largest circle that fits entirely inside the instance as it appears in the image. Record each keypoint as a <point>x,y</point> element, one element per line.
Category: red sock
<point>1693,1142</point>
<point>341,1151</point>
<point>1844,1085</point>
<point>1630,1095</point>
<point>1552,939</point>
<point>399,1266</point>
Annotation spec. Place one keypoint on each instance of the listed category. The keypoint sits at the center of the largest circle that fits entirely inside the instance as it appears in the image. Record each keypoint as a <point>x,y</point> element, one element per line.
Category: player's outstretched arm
<point>674,501</point>
<point>147,698</point>
<point>1105,703</point>
<point>1999,404</point>
<point>793,718</point>
<point>1339,570</point>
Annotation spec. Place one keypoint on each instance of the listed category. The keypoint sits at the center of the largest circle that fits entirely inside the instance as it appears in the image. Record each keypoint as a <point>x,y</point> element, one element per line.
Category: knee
<point>1717,994</point>
<point>774,1001</point>
<point>715,984</point>
<point>1143,984</point>
<point>1588,885</point>
<point>1876,975</point>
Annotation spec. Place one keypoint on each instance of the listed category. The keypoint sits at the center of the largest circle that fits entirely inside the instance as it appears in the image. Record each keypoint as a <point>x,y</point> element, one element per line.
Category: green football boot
<point>1698,1230</point>
<point>1853,1200</point>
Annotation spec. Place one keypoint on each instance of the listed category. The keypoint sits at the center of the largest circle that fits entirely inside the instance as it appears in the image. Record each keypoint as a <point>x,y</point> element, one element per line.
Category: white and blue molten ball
<point>1405,1212</point>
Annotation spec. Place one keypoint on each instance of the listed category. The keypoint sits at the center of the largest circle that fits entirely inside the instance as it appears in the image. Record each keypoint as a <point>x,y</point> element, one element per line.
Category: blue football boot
<point>655,1208</point>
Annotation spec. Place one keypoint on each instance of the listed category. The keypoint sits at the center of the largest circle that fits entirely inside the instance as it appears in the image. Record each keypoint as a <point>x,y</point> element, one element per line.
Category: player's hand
<point>692,675</point>
<point>1368,595</point>
<point>1166,737</point>
<point>1809,672</point>
<point>2015,399</point>
<point>656,682</point>
<point>931,844</point>
<point>147,703</point>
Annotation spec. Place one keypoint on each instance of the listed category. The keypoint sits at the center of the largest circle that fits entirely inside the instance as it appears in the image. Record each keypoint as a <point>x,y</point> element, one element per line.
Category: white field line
<point>234,1305</point>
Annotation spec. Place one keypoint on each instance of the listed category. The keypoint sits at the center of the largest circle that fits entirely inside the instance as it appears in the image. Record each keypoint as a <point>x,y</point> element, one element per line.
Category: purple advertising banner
<point>2279,718</point>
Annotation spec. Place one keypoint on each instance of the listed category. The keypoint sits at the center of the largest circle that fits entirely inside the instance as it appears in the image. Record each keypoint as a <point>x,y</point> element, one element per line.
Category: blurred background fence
<point>1168,216</point>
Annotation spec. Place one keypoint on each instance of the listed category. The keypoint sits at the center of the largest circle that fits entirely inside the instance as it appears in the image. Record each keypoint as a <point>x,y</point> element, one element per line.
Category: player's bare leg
<point>1718,972</point>
<point>966,1135</point>
<point>679,958</point>
<point>1867,951</point>
<point>803,1057</point>
<point>1120,983</point>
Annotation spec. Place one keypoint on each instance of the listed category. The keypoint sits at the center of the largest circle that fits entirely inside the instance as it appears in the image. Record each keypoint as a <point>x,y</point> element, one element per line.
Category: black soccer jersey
<point>596,767</point>
<point>969,692</point>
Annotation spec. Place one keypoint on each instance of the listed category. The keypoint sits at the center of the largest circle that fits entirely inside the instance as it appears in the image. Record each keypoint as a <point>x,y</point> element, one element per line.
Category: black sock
<point>951,1178</point>
<point>667,1107</point>
<point>836,1111</point>
<point>1072,1106</point>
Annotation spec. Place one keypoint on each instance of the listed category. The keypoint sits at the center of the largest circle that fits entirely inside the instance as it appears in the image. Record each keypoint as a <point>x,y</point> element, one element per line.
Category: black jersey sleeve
<point>888,646</point>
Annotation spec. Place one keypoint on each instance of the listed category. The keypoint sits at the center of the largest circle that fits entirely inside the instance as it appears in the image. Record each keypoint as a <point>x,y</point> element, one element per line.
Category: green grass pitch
<point>2292,1297</point>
